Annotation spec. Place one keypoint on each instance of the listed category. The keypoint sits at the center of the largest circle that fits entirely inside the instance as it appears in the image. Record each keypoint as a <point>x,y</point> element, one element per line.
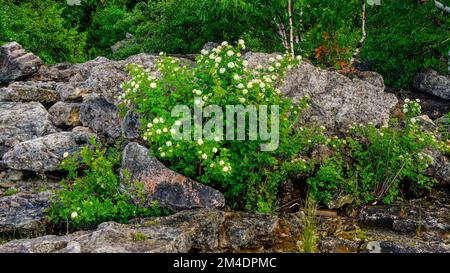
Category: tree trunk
<point>363,32</point>
<point>442,7</point>
<point>291,29</point>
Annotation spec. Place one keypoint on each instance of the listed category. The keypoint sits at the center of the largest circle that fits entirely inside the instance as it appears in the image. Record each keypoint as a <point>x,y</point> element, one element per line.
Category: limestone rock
<point>22,121</point>
<point>62,72</point>
<point>336,100</point>
<point>44,92</point>
<point>179,233</point>
<point>168,188</point>
<point>433,83</point>
<point>439,167</point>
<point>23,213</point>
<point>66,114</point>
<point>45,153</point>
<point>432,216</point>
<point>16,64</point>
<point>199,230</point>
<point>101,117</point>
<point>130,125</point>
<point>249,230</point>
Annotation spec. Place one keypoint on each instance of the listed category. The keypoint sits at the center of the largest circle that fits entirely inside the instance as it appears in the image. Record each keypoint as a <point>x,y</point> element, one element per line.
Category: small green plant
<point>139,236</point>
<point>419,222</point>
<point>444,126</point>
<point>10,191</point>
<point>92,195</point>
<point>371,163</point>
<point>308,241</point>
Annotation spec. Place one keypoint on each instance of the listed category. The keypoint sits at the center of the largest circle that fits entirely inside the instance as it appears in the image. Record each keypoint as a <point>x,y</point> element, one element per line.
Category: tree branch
<point>442,7</point>
<point>291,29</point>
<point>363,32</point>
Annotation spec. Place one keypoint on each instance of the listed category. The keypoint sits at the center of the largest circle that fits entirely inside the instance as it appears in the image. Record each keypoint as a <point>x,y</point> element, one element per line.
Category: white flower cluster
<point>140,78</point>
<point>411,106</point>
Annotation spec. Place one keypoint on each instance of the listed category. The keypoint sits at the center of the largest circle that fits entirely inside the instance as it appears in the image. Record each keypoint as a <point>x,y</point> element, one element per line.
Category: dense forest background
<point>402,36</point>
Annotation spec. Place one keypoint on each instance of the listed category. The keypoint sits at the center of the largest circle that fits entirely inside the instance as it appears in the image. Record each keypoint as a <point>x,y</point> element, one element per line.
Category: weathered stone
<point>336,100</point>
<point>16,64</point>
<point>101,117</point>
<point>439,167</point>
<point>13,175</point>
<point>168,188</point>
<point>402,244</point>
<point>405,218</point>
<point>258,60</point>
<point>104,77</point>
<point>369,76</point>
<point>433,83</point>
<point>23,213</point>
<point>72,92</point>
<point>200,230</point>
<point>426,123</point>
<point>180,233</point>
<point>66,114</point>
<point>248,230</point>
<point>57,72</point>
<point>339,200</point>
<point>45,153</point>
<point>81,129</point>
<point>22,121</point>
<point>44,92</point>
<point>130,125</point>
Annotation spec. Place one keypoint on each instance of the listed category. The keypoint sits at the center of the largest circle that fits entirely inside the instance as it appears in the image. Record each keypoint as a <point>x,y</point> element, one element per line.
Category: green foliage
<point>248,176</point>
<point>109,25</point>
<point>372,164</point>
<point>405,36</point>
<point>139,236</point>
<point>308,240</point>
<point>93,196</point>
<point>10,191</point>
<point>39,27</point>
<point>444,126</point>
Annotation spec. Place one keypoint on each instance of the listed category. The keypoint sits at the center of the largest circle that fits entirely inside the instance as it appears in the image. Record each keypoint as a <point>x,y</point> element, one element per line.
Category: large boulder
<point>44,92</point>
<point>45,153</point>
<point>101,117</point>
<point>439,167</point>
<point>336,100</point>
<point>168,188</point>
<point>433,83</point>
<point>16,64</point>
<point>23,213</point>
<point>62,72</point>
<point>103,77</point>
<point>65,114</point>
<point>22,121</point>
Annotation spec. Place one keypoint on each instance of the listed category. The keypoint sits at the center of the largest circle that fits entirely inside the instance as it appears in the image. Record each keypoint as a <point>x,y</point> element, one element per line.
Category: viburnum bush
<point>374,164</point>
<point>248,176</point>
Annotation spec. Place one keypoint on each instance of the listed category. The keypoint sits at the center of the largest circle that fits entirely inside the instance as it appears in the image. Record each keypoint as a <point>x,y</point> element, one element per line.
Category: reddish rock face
<point>168,188</point>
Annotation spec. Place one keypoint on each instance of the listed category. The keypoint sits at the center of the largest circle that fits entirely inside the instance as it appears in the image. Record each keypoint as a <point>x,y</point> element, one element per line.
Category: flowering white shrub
<point>374,164</point>
<point>248,176</point>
